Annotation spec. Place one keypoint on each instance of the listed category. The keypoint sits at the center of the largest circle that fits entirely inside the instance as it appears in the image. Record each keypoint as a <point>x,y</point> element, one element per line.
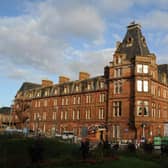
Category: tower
<point>129,86</point>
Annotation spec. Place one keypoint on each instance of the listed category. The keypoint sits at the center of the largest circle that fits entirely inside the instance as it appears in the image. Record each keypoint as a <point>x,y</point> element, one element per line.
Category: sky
<point>44,39</point>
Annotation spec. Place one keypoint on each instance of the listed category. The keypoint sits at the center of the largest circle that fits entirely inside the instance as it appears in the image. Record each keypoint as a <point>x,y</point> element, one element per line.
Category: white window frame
<point>145,86</point>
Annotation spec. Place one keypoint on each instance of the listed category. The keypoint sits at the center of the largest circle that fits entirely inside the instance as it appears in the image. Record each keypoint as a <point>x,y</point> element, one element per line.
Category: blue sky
<point>43,39</point>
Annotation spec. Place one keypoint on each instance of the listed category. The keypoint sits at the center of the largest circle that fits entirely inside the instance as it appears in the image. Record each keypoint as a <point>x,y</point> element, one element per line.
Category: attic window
<point>129,42</point>
<point>143,41</point>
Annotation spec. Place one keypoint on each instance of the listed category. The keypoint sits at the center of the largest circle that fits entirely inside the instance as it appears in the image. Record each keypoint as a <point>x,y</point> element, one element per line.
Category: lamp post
<point>143,125</point>
<point>10,115</point>
<point>38,119</point>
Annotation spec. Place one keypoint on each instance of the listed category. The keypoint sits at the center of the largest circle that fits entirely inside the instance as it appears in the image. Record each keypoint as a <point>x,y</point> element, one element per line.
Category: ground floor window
<point>142,108</point>
<point>116,131</point>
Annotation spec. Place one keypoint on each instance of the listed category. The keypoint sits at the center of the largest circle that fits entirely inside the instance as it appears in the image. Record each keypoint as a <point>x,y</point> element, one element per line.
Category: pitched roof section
<point>28,85</point>
<point>134,42</point>
<point>5,110</point>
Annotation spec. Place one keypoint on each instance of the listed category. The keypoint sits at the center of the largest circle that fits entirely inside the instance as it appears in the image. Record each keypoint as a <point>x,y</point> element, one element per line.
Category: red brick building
<point>129,101</point>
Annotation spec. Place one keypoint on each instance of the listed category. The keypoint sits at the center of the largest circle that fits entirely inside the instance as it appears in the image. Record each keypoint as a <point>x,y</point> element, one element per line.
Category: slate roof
<point>134,42</point>
<point>5,110</point>
<point>28,85</point>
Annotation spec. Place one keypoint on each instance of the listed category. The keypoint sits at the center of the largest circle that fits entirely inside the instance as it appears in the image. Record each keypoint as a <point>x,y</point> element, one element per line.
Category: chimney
<point>46,82</point>
<point>83,75</point>
<point>63,79</point>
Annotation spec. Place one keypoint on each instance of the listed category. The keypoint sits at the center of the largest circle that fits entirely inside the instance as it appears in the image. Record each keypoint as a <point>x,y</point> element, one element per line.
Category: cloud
<point>116,6</point>
<point>40,38</point>
<point>92,62</point>
<point>155,20</point>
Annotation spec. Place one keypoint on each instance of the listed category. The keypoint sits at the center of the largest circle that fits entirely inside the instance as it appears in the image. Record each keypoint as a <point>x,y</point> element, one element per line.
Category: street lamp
<point>10,115</point>
<point>143,125</point>
<point>38,119</point>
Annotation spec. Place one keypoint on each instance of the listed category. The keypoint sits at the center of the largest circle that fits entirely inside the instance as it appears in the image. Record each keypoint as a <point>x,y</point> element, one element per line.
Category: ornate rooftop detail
<point>134,42</point>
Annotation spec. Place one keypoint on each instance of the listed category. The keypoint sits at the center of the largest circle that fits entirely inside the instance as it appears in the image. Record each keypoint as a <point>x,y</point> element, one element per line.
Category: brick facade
<point>129,100</point>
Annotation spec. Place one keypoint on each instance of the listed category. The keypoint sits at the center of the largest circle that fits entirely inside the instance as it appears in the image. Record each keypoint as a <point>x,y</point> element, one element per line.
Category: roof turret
<point>134,42</point>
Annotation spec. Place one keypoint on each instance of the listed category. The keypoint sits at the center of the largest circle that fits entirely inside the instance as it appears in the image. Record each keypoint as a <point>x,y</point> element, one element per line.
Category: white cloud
<point>92,62</point>
<point>155,20</point>
<point>116,6</point>
<point>39,39</point>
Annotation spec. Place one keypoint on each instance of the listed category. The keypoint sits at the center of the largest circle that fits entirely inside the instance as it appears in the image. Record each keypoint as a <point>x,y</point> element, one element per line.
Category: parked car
<point>67,135</point>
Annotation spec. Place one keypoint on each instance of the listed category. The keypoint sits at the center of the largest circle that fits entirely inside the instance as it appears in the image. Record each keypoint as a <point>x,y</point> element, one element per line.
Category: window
<point>142,68</point>
<point>62,115</point>
<point>77,88</point>
<point>164,93</point>
<point>66,101</point>
<point>73,115</point>
<point>139,85</point>
<point>89,86</point>
<point>102,98</point>
<point>74,100</point>
<point>38,93</point>
<point>159,91</point>
<point>88,98</point>
<point>142,108</point>
<point>117,108</point>
<point>117,87</point>
<point>78,99</point>
<point>101,113</point>
<point>55,91</point>
<point>139,68</point>
<point>78,114</point>
<point>44,115</point>
<point>118,72</point>
<point>55,102</point>
<point>142,86</point>
<point>35,116</point>
<point>46,93</point>
<point>63,101</point>
<point>153,109</point>
<point>158,110</point>
<point>145,86</point>
<point>66,89</point>
<point>66,115</point>
<point>116,131</point>
<point>101,85</point>
<point>36,105</point>
<point>145,69</point>
<point>54,117</point>
<point>118,60</point>
<point>88,114</point>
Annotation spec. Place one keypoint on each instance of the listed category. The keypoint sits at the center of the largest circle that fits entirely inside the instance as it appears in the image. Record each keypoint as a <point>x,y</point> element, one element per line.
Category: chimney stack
<point>63,79</point>
<point>83,75</point>
<point>46,82</point>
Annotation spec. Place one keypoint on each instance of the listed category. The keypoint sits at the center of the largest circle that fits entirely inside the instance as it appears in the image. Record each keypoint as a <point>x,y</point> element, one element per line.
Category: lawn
<point>17,153</point>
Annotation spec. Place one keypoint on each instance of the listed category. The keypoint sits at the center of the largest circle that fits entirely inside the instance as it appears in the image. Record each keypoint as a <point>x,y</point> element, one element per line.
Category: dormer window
<point>129,42</point>
<point>118,60</point>
<point>38,93</point>
<point>77,88</point>
<point>55,91</point>
<point>143,41</point>
<point>66,89</point>
<point>101,84</point>
<point>46,93</point>
<point>89,86</point>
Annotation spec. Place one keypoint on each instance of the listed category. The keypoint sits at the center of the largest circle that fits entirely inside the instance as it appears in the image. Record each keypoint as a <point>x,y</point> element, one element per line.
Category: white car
<point>67,135</point>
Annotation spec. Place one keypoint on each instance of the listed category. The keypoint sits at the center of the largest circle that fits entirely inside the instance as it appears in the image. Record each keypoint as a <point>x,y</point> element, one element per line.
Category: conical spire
<point>134,42</point>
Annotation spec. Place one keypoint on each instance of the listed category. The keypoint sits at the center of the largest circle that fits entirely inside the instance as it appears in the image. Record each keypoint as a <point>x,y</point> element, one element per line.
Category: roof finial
<point>133,24</point>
